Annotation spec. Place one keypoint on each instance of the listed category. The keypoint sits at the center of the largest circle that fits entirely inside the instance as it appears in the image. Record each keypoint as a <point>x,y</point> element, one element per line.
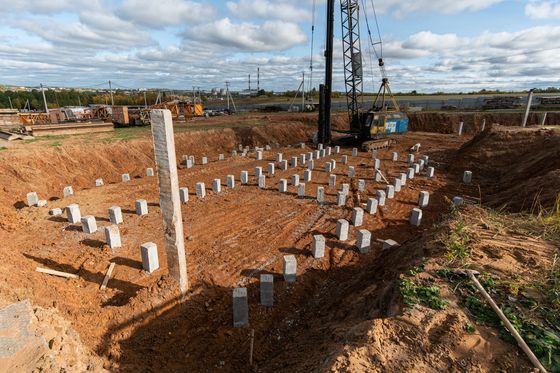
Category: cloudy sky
<point>428,45</point>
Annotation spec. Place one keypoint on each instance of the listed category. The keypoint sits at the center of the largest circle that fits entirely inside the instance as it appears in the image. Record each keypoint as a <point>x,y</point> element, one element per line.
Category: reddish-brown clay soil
<point>139,323</point>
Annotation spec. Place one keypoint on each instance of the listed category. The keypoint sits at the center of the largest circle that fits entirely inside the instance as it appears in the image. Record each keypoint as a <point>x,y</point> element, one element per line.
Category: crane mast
<point>352,52</point>
<point>373,123</point>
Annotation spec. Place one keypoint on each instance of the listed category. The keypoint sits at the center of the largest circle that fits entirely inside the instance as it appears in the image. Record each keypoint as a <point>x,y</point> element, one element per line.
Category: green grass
<point>55,144</point>
<point>457,243</point>
<point>428,296</point>
<point>3,148</point>
<point>417,291</point>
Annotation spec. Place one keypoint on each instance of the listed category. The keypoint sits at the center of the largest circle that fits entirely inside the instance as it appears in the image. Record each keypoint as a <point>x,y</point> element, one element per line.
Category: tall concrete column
<point>169,201</point>
<point>528,109</point>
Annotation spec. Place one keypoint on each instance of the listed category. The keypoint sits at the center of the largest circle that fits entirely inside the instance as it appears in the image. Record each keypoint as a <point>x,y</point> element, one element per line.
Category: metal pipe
<point>507,324</point>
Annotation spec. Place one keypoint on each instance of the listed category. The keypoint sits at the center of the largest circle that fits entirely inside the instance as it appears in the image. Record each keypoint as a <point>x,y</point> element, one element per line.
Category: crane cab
<point>381,123</point>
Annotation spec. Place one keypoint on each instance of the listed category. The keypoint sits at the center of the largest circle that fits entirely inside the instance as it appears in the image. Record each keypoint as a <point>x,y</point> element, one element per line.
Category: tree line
<point>71,97</point>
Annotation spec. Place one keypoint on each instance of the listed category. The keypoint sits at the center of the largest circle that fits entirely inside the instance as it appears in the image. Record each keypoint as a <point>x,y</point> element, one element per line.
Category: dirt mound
<point>41,340</point>
<point>516,167</point>
<point>66,352</point>
<point>358,323</point>
<point>449,122</point>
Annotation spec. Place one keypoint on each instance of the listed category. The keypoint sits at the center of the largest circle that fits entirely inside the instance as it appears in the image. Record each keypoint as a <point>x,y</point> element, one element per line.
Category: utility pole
<point>258,79</point>
<point>79,101</point>
<point>9,99</point>
<point>193,94</point>
<point>111,92</point>
<point>249,84</point>
<point>324,132</point>
<point>230,97</point>
<point>145,100</point>
<point>44,99</point>
<point>528,109</point>
<point>303,91</point>
<point>227,94</point>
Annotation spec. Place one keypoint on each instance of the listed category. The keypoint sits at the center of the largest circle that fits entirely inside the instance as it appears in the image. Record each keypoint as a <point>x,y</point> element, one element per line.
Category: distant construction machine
<point>373,126</point>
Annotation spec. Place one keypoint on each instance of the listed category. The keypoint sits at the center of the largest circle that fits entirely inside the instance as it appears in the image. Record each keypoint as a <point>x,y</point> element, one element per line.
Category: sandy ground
<point>140,323</point>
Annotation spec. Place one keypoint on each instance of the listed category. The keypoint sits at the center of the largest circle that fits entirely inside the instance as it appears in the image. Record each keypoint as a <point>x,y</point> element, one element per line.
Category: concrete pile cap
<point>149,254</point>
<point>113,236</point>
<point>32,199</point>
<point>89,225</point>
<point>290,268</point>
<point>267,290</point>
<point>73,213</point>
<point>184,195</point>
<point>363,241</point>
<point>342,229</point>
<point>387,244</point>
<point>55,212</point>
<point>318,246</point>
<point>68,191</point>
<point>115,215</point>
<point>141,207</point>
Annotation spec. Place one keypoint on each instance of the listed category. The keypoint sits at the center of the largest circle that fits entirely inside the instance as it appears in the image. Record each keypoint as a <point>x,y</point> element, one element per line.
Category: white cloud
<point>269,36</point>
<point>538,9</point>
<point>86,46</point>
<point>402,7</point>
<point>165,12</point>
<point>285,10</point>
<point>94,31</point>
<point>46,6</point>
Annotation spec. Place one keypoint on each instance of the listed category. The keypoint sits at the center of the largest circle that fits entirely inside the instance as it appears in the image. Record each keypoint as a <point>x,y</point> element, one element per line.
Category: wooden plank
<point>71,128</point>
<point>107,276</point>
<point>56,273</point>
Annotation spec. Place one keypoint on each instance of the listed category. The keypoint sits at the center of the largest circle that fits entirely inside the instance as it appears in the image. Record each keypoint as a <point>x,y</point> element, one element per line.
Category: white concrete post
<point>543,119</point>
<point>164,150</point>
<point>528,109</point>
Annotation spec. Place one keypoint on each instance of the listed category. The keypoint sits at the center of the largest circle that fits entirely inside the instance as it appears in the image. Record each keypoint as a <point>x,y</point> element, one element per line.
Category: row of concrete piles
<point>148,251</point>
<point>364,237</point>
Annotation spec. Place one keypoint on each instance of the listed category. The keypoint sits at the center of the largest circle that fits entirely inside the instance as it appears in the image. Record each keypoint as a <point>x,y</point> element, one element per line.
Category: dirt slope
<point>443,122</point>
<point>516,167</point>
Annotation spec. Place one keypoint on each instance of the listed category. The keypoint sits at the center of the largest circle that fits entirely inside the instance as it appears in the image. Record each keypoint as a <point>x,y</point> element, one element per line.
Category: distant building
<point>248,92</point>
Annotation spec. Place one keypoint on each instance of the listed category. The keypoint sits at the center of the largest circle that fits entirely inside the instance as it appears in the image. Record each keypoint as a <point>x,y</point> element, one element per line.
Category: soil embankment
<point>515,167</point>
<point>449,122</point>
<point>46,170</point>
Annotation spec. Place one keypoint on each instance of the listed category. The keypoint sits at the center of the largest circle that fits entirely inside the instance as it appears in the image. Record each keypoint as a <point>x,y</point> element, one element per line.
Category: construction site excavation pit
<point>269,277</point>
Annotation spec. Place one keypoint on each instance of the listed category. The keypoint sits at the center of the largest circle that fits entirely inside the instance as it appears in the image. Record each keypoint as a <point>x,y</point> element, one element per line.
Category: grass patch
<point>417,291</point>
<point>540,223</point>
<point>457,242</point>
<point>3,148</point>
<point>428,296</point>
<point>55,144</point>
